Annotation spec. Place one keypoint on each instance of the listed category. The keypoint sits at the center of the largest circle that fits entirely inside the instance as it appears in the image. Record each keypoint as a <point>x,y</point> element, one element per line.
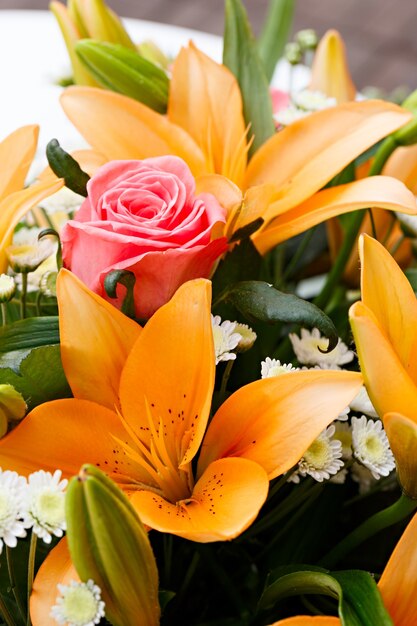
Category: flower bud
<point>7,288</point>
<point>12,407</point>
<point>109,544</point>
<point>27,258</point>
<point>307,39</point>
<point>293,53</point>
<point>248,337</point>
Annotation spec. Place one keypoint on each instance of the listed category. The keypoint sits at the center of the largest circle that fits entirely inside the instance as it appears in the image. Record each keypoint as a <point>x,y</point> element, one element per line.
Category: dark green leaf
<point>165,597</point>
<point>64,166</point>
<point>126,72</point>
<point>37,374</point>
<point>362,601</point>
<point>29,333</point>
<point>259,301</point>
<point>299,582</point>
<point>246,231</point>
<point>411,274</point>
<point>127,279</point>
<point>244,261</point>
<point>240,55</point>
<point>275,33</point>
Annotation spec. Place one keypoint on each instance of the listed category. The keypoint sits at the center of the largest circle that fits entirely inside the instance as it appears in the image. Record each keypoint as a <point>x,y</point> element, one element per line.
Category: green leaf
<point>64,166</point>
<point>240,55</point>
<point>259,301</point>
<point>126,72</point>
<point>128,280</point>
<point>411,274</point>
<point>244,261</point>
<point>359,600</point>
<point>37,374</point>
<point>29,333</point>
<point>246,231</point>
<point>275,33</point>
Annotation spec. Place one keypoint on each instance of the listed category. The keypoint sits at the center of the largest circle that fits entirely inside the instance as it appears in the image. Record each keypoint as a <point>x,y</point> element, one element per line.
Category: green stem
<point>3,314</point>
<point>23,293</point>
<point>38,303</point>
<point>280,483</point>
<point>397,244</point>
<point>5,614</point>
<point>225,379</point>
<point>188,577</point>
<point>383,519</point>
<point>382,155</point>
<point>168,546</point>
<point>297,256</point>
<point>31,572</point>
<point>373,225</point>
<point>15,589</point>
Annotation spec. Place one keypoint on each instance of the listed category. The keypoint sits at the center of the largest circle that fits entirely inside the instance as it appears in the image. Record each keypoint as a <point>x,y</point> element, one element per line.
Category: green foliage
<point>275,33</point>
<point>66,167</point>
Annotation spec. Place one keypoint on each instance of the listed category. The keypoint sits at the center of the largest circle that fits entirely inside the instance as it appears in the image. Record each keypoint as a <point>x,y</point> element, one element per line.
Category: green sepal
<point>246,231</point>
<point>128,280</point>
<point>260,302</point>
<point>275,33</point>
<point>109,544</point>
<point>240,55</point>
<point>126,72</point>
<point>66,167</point>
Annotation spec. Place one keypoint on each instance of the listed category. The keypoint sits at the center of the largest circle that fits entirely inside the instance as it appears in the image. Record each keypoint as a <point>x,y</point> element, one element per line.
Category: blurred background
<point>381,35</point>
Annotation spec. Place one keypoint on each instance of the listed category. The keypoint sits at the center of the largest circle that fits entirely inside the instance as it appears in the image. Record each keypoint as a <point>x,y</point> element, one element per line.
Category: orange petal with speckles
<point>96,339</point>
<point>57,569</point>
<point>65,434</point>
<point>224,502</point>
<point>273,421</point>
<point>170,372</point>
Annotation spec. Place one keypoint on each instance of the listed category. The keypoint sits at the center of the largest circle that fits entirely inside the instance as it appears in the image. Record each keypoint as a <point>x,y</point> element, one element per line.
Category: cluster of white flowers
<point>37,503</point>
<point>79,604</point>
<point>229,337</point>
<point>273,367</point>
<point>310,349</point>
<point>302,104</point>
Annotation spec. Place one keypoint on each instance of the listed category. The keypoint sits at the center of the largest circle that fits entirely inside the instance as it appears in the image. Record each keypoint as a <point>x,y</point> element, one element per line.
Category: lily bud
<point>12,407</point>
<point>402,436</point>
<point>330,72</point>
<point>293,53</point>
<point>307,38</point>
<point>109,544</point>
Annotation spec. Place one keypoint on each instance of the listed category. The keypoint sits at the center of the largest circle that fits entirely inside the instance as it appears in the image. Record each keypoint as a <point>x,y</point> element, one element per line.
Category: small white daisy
<point>27,258</point>
<point>308,350</point>
<point>313,100</point>
<point>225,339</point>
<point>79,604</point>
<point>45,504</point>
<point>63,200</point>
<point>7,287</point>
<point>273,367</point>
<point>362,404</point>
<point>247,337</point>
<point>323,458</point>
<point>370,446</point>
<point>344,415</point>
<point>12,504</point>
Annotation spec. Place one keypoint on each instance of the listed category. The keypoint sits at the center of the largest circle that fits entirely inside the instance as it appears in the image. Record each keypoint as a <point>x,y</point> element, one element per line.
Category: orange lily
<point>398,586</point>
<point>159,414</point>
<point>16,154</point>
<point>384,324</point>
<point>205,126</point>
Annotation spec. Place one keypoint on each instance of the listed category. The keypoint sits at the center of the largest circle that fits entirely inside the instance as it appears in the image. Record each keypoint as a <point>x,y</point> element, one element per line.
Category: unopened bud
<point>47,283</point>
<point>307,39</point>
<point>248,337</point>
<point>101,521</point>
<point>293,53</point>
<point>12,407</point>
<point>27,258</point>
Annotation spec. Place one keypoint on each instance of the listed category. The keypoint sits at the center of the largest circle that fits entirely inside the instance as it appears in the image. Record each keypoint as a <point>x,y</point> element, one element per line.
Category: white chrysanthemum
<point>362,404</point>
<point>63,200</point>
<point>274,367</point>
<point>79,604</point>
<point>308,348</point>
<point>7,287</point>
<point>313,100</point>
<point>343,433</point>
<point>323,458</point>
<point>361,475</point>
<point>340,477</point>
<point>289,114</point>
<point>26,236</point>
<point>370,446</point>
<point>247,337</point>
<point>45,504</point>
<point>225,338</point>
<point>12,503</point>
<point>344,415</point>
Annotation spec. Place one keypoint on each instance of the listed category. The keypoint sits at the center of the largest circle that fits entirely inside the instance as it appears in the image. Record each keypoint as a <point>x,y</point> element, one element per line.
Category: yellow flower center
<point>317,454</point>
<point>49,508</point>
<point>374,448</point>
<point>79,606</point>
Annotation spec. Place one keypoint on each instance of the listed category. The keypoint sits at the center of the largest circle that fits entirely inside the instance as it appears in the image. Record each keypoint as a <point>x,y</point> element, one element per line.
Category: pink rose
<point>143,216</point>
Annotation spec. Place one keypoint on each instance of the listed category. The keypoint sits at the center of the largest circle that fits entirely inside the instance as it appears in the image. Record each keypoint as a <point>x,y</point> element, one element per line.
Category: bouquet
<point>208,383</point>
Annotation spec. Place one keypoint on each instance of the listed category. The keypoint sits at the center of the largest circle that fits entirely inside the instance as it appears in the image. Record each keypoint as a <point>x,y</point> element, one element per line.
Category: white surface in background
<point>33,57</point>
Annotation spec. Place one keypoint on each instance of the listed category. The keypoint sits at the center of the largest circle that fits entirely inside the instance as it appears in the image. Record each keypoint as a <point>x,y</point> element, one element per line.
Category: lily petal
<point>96,339</point>
<point>402,164</point>
<point>389,386</point>
<point>65,434</point>
<point>15,206</point>
<point>402,436</point>
<point>57,569</point>
<point>378,191</point>
<point>170,372</point>
<point>306,620</point>
<point>16,154</point>
<point>205,100</point>
<point>228,195</point>
<point>121,128</point>
<point>273,421</point>
<point>307,154</point>
<point>88,160</point>
<point>398,584</point>
<point>224,502</point>
<point>389,295</point>
<point>330,71</point>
